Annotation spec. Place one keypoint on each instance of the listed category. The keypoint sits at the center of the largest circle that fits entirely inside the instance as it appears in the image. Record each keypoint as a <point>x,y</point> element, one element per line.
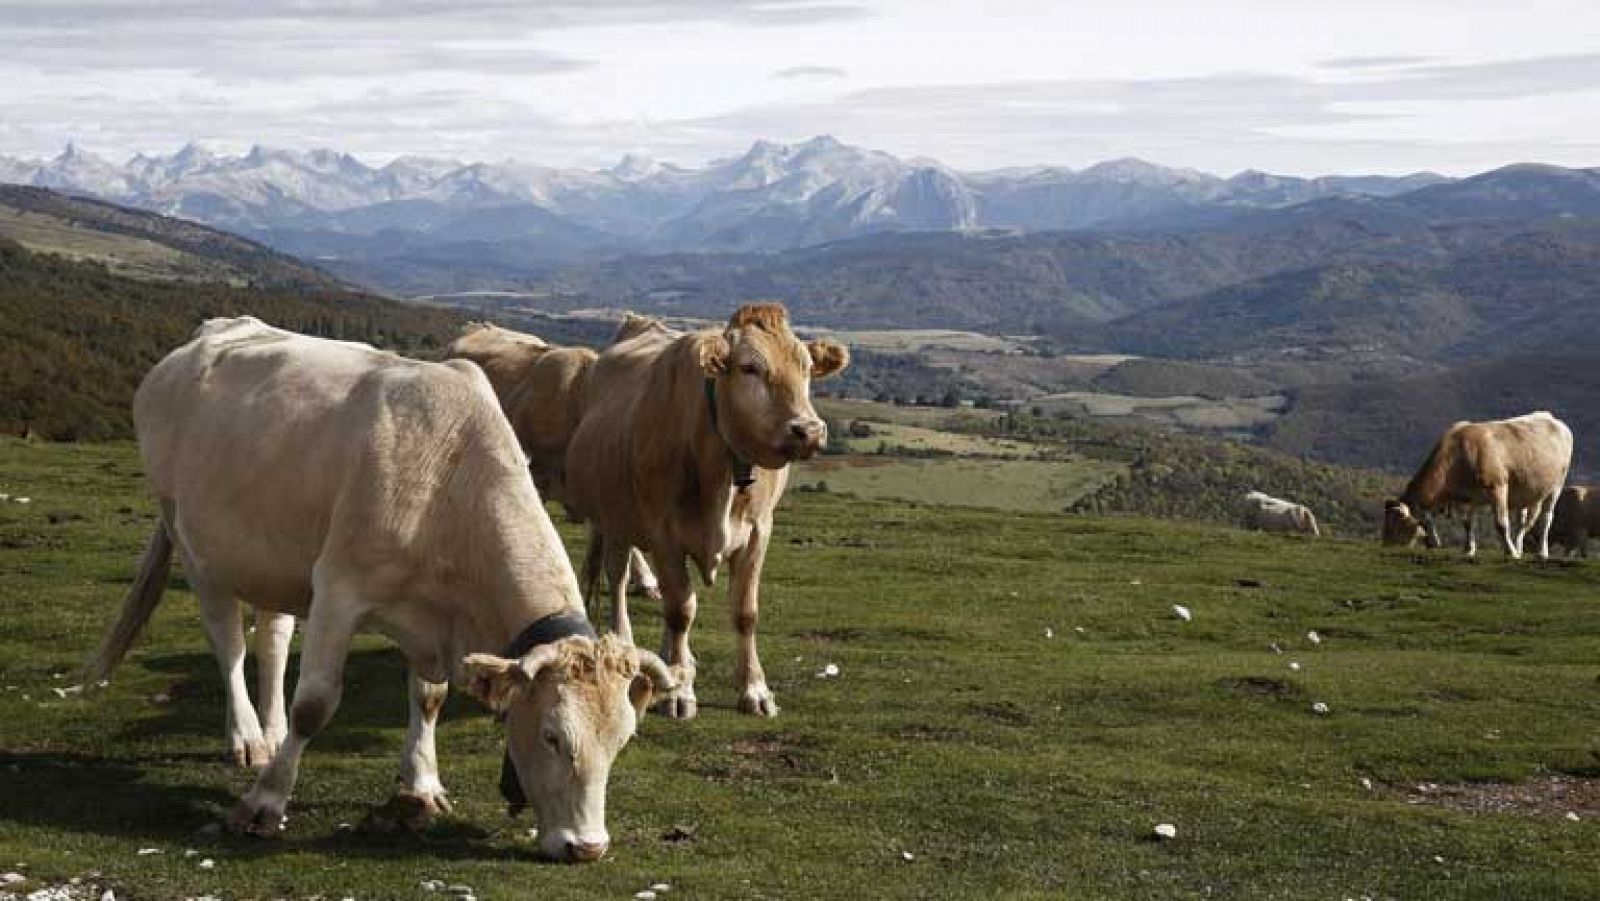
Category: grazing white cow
<point>1509,465</point>
<point>361,489</point>
<point>1270,514</point>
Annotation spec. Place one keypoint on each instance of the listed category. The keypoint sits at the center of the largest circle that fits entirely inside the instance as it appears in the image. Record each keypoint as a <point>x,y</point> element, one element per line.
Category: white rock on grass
<point>1313,637</point>
<point>661,887</point>
<point>1294,665</point>
<point>1320,709</point>
<point>208,864</point>
<point>1573,816</point>
<point>24,500</point>
<point>1182,612</point>
<point>831,671</point>
<point>431,885</point>
<point>11,878</point>
<point>108,895</point>
<point>907,856</point>
<point>645,895</point>
<point>1366,783</point>
<point>146,852</point>
<point>1166,830</point>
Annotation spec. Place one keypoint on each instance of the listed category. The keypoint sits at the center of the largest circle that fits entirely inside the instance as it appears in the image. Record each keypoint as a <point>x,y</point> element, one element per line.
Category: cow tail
<point>143,596</point>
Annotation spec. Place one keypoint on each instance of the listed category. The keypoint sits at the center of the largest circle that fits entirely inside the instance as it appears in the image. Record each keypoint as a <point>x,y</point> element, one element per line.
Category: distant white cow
<point>1270,514</point>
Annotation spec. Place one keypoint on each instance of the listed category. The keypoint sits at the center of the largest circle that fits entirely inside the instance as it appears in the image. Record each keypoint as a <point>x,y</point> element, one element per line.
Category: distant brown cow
<point>684,450</point>
<point>1577,519</point>
<point>1509,464</point>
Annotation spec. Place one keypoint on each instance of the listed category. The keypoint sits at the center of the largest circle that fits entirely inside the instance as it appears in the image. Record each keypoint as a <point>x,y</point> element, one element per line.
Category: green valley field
<point>1017,708</point>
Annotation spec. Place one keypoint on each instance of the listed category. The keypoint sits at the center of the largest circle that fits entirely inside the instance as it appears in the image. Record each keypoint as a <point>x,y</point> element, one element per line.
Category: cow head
<point>569,708</point>
<point>763,379</point>
<point>1400,526</point>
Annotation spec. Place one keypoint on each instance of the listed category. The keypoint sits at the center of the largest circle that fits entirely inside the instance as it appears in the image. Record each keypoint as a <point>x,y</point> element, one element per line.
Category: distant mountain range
<point>503,218</point>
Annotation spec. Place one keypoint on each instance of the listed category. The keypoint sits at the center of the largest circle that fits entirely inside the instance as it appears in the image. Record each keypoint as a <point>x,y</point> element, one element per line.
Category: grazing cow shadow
<point>371,717</point>
<point>88,793</point>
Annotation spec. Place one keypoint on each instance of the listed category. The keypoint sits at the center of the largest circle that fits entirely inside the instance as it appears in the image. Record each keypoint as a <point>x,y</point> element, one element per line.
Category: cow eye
<point>553,740</point>
<point>750,369</point>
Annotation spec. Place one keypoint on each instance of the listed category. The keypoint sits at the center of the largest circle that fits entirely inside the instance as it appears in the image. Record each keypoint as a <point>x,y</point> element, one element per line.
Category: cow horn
<point>658,671</point>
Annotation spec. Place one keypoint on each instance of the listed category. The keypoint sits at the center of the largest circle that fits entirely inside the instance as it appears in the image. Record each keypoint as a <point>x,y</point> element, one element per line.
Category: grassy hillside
<point>78,338</point>
<point>1532,289</point>
<point>145,245</point>
<point>1171,474</point>
<point>963,752</point>
<point>1391,423</point>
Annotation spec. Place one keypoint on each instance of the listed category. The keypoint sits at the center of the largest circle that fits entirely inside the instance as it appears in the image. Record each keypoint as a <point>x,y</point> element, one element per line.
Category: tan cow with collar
<point>363,490</point>
<point>684,451</point>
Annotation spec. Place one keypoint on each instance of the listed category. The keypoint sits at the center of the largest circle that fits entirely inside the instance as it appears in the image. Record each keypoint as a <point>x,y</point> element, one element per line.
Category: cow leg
<point>678,609</point>
<point>1471,522</point>
<point>326,644</point>
<point>616,557</point>
<point>273,633</point>
<point>1525,520</point>
<point>1502,523</point>
<point>420,795</point>
<point>221,615</point>
<point>1547,516</point>
<point>744,589</point>
<point>642,576</point>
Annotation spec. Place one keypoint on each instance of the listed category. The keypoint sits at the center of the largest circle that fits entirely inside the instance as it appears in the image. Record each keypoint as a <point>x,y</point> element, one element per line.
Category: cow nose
<point>809,432</point>
<point>585,852</point>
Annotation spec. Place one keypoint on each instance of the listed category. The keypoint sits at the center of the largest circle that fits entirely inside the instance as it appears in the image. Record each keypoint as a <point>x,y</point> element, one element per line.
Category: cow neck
<point>744,472</point>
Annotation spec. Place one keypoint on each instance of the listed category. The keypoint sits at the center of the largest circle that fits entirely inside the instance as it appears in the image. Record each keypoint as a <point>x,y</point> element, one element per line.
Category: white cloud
<point>1303,86</point>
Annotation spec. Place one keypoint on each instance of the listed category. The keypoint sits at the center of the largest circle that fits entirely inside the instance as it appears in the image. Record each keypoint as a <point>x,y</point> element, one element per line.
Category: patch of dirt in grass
<point>931,732</point>
<point>1002,712</point>
<point>828,636</point>
<point>758,758</point>
<point>1261,687</point>
<point>1550,796</point>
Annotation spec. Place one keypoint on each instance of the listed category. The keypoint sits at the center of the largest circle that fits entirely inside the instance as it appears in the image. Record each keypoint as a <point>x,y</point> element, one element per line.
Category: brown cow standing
<point>684,451</point>
<point>540,388</point>
<point>1577,519</point>
<point>1509,464</point>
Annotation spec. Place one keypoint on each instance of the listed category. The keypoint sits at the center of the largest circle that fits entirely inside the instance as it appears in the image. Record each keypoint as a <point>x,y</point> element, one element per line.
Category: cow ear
<point>654,677</point>
<point>641,691</point>
<point>712,352</point>
<point>827,358</point>
<point>496,681</point>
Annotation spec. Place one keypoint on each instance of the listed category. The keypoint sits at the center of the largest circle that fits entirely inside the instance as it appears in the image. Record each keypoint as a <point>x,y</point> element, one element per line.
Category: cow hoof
<point>257,819</point>
<point>406,811</point>
<point>758,700</point>
<point>252,754</point>
<point>678,707</point>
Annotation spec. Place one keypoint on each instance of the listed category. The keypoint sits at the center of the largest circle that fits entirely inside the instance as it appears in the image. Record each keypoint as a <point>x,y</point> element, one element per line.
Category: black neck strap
<point>544,630</point>
<point>549,630</point>
<point>744,472</point>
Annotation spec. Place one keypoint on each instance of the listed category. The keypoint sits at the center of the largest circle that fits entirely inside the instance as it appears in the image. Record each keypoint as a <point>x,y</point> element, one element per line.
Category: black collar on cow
<point>544,630</point>
<point>744,472</point>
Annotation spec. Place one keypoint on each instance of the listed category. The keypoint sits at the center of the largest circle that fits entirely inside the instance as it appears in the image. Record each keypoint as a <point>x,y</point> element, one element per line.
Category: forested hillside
<point>77,339</point>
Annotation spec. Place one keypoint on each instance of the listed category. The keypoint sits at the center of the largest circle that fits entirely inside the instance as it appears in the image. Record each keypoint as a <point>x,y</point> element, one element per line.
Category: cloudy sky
<point>1295,86</point>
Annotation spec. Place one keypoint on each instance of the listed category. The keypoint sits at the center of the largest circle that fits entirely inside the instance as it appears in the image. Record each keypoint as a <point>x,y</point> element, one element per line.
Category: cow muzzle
<point>565,846</point>
<point>804,436</point>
